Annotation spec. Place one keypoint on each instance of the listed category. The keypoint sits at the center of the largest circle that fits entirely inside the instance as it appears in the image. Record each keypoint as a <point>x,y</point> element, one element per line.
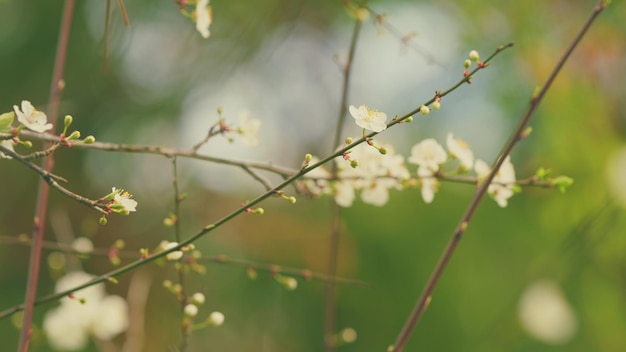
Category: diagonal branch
<point>426,294</point>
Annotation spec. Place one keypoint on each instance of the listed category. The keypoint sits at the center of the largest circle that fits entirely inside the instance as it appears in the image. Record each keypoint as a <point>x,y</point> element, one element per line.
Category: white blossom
<point>82,245</point>
<point>203,18</point>
<point>369,119</point>
<point>7,143</point>
<point>460,150</point>
<point>124,199</point>
<point>429,184</point>
<point>249,128</point>
<point>31,118</point>
<point>175,255</point>
<point>373,177</point>
<point>428,153</point>
<point>501,188</point>
<point>91,312</point>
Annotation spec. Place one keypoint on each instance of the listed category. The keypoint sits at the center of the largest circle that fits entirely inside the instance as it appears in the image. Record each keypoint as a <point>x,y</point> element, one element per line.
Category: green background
<point>576,239</point>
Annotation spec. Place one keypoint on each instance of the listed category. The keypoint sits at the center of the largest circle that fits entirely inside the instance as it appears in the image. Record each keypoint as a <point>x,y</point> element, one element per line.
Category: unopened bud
<point>474,56</point>
<point>424,110</point>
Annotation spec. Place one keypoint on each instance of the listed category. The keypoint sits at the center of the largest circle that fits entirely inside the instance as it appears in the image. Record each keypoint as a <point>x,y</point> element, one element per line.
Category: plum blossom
<point>175,255</point>
<point>7,143</point>
<point>123,200</point>
<point>92,312</point>
<point>458,149</point>
<point>31,118</point>
<point>204,18</point>
<point>428,153</point>
<point>429,184</point>
<point>249,128</point>
<point>373,177</point>
<point>369,119</point>
<point>317,182</point>
<point>501,189</point>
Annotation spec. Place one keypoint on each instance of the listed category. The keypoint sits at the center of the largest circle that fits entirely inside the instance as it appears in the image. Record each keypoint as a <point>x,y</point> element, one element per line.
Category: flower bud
<point>424,110</point>
<point>436,105</point>
<point>216,319</point>
<point>467,64</point>
<point>198,298</point>
<point>68,121</point>
<point>191,310</point>
<point>89,139</point>
<point>474,56</point>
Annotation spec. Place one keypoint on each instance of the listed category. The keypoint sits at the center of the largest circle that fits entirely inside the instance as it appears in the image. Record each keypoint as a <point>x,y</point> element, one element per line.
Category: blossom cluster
<point>87,312</point>
<point>374,170</point>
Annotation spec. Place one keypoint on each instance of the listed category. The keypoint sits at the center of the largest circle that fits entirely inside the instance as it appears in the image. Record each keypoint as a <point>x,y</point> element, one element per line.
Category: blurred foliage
<point>576,239</point>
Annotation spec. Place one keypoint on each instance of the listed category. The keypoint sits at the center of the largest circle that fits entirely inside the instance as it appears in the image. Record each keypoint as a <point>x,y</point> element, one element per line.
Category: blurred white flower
<point>111,319</point>
<point>82,245</point>
<point>369,119</point>
<point>429,184</point>
<point>204,17</point>
<point>175,255</point>
<point>428,153</point>
<point>31,118</point>
<point>7,143</point>
<point>249,128</point>
<point>460,150</point>
<point>317,184</point>
<point>373,177</point>
<point>545,314</point>
<point>501,189</point>
<point>343,192</point>
<point>65,329</point>
<point>89,313</point>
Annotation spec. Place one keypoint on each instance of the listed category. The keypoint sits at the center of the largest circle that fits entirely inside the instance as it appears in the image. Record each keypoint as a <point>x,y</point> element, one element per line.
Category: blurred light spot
<point>545,314</point>
<point>616,176</point>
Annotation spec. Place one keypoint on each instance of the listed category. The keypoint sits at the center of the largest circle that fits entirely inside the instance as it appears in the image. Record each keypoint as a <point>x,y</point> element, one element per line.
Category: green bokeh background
<point>577,239</point>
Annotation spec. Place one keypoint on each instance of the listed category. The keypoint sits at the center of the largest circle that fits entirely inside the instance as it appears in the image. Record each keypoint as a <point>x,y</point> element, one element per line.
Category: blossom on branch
<point>428,153</point>
<point>502,186</point>
<point>122,201</point>
<point>90,312</point>
<point>249,128</point>
<point>7,143</point>
<point>458,149</point>
<point>429,184</point>
<point>369,119</point>
<point>204,18</point>
<point>31,118</point>
<point>373,177</point>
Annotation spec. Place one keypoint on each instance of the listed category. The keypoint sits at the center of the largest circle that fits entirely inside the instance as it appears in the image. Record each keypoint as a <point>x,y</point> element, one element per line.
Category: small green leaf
<point>6,120</point>
<point>562,183</point>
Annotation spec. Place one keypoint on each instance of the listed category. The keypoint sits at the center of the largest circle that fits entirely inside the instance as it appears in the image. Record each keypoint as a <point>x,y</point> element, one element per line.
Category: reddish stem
<point>56,88</point>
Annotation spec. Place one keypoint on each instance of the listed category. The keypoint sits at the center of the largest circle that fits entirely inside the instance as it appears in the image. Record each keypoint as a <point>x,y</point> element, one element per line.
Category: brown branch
<point>426,294</point>
<point>56,87</point>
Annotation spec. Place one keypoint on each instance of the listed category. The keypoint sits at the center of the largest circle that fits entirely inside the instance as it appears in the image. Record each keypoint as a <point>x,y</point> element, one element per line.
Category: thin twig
<point>330,309</point>
<point>425,296</point>
<point>51,179</point>
<point>167,152</point>
<point>244,209</point>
